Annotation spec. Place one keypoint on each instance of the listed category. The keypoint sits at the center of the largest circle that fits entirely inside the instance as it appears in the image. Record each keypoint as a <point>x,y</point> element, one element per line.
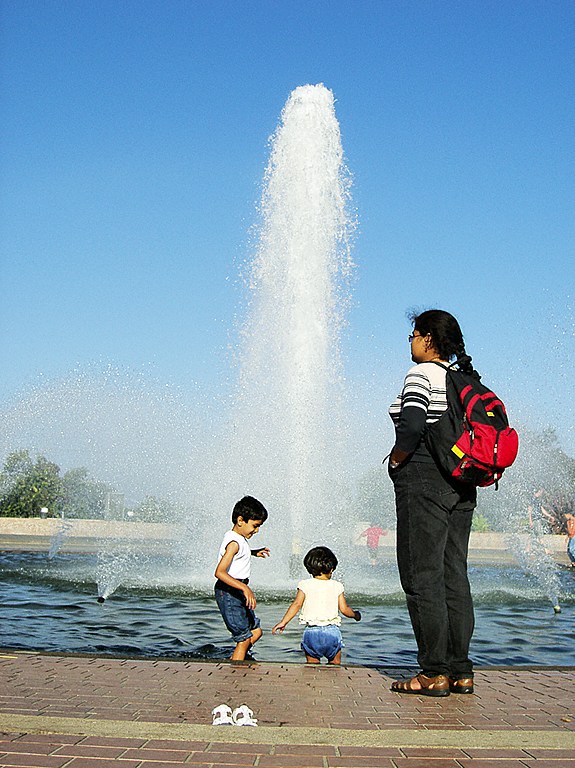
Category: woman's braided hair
<point>446,334</point>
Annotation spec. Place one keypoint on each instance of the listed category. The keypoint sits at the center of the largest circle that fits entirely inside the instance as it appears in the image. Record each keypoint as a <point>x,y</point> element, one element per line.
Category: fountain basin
<point>51,605</point>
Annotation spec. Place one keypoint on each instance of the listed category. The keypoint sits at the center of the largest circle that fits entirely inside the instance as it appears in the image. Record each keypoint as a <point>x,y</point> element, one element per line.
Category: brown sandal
<point>461,685</point>
<point>428,686</point>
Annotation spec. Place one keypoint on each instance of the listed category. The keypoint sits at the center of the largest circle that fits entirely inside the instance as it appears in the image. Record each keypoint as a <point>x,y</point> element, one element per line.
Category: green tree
<point>153,510</point>
<point>82,497</point>
<point>26,486</point>
<point>480,523</point>
<point>17,465</point>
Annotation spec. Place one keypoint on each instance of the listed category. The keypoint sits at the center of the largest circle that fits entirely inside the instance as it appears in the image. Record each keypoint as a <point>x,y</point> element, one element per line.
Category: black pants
<point>433,526</point>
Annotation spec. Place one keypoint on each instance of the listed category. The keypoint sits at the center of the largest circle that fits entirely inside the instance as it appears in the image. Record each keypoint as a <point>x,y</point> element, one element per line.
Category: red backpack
<point>472,441</point>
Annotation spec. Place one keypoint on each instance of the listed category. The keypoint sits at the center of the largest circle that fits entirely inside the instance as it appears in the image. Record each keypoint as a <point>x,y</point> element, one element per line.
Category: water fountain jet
<point>289,413</point>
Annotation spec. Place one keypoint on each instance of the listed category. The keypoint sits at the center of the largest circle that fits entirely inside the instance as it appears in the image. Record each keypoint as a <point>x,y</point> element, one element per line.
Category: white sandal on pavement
<point>222,715</point>
<point>244,716</point>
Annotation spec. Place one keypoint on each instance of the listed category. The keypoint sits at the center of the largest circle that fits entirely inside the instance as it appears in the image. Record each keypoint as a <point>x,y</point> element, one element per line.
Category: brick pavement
<point>87,712</point>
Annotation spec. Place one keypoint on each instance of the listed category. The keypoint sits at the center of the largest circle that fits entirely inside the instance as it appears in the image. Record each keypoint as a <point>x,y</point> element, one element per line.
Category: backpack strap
<point>441,365</point>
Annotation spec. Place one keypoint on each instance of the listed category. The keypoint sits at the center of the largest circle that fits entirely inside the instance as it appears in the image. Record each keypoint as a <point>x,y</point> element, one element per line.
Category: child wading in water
<point>321,600</point>
<point>235,599</point>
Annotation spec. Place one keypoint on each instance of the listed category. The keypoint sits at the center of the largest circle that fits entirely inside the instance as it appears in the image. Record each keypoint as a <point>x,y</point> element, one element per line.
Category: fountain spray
<point>289,412</point>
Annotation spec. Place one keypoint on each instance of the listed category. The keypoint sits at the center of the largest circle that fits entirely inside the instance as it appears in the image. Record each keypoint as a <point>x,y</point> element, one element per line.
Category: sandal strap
<point>440,682</point>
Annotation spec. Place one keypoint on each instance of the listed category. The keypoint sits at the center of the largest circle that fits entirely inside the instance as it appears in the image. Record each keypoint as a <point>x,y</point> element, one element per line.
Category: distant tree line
<point>543,489</point>
<point>27,486</point>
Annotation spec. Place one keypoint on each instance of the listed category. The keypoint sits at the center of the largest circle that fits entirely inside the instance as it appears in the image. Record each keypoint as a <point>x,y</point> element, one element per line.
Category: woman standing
<point>434,516</point>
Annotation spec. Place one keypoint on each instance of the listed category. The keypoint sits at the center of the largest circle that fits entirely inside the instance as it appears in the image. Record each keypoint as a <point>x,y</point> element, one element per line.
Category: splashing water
<point>59,538</point>
<point>515,511</point>
<point>289,414</point>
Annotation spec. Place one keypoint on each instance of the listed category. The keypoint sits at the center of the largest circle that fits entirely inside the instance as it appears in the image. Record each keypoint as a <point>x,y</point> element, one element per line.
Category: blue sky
<point>133,140</point>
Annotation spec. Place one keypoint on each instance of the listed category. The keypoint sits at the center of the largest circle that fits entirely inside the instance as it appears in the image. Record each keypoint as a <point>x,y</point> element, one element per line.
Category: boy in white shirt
<point>321,600</point>
<point>235,599</point>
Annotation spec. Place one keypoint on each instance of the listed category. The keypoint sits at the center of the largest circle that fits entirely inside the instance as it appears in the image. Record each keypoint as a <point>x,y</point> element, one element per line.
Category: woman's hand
<point>397,457</point>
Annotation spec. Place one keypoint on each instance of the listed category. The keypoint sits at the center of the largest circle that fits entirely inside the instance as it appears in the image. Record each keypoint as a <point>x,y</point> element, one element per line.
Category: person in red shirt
<point>570,522</point>
<point>373,534</point>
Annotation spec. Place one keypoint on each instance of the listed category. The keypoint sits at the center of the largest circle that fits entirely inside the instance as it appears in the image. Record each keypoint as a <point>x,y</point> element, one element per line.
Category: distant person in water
<point>321,599</point>
<point>372,535</point>
<point>570,523</point>
<point>234,597</point>
<point>543,517</point>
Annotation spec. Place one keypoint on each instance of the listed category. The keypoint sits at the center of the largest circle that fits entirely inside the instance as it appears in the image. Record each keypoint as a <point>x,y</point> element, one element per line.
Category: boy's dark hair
<point>320,560</point>
<point>249,508</point>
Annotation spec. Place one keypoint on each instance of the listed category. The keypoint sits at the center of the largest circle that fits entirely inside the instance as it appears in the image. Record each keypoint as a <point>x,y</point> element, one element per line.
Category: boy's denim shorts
<point>238,618</point>
<point>571,549</point>
<point>322,641</point>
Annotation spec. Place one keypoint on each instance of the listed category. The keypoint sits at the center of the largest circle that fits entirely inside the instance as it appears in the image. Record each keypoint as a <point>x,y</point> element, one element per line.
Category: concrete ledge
<point>397,737</point>
<point>34,534</point>
<point>97,529</point>
<point>87,529</point>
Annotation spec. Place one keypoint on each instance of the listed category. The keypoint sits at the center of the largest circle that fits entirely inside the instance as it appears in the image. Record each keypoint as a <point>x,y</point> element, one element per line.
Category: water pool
<point>51,606</point>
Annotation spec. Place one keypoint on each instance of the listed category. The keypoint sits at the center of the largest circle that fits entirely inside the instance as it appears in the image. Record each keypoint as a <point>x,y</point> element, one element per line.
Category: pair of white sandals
<point>242,715</point>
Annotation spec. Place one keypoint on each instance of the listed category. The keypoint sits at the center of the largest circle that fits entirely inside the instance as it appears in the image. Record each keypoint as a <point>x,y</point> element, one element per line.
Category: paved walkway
<point>77,712</point>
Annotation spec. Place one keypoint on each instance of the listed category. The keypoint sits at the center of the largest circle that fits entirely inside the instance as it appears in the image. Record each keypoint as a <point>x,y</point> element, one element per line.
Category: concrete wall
<point>36,526</point>
<point>26,527</point>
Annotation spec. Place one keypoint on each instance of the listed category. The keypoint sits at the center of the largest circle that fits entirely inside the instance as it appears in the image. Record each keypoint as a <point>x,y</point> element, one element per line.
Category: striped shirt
<point>422,401</point>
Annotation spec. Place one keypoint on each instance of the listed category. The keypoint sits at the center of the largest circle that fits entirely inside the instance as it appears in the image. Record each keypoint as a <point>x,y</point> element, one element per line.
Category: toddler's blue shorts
<point>322,641</point>
<point>238,618</point>
<point>571,549</point>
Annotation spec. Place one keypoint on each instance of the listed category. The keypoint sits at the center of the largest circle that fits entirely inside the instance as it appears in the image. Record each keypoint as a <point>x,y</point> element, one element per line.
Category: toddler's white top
<point>240,567</point>
<point>320,606</point>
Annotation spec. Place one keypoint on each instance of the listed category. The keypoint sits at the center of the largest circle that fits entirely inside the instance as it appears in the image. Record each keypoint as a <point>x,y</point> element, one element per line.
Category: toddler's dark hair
<point>320,560</point>
<point>249,509</point>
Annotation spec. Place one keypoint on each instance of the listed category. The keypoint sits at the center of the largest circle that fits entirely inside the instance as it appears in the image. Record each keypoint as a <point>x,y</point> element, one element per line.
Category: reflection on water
<point>50,605</point>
